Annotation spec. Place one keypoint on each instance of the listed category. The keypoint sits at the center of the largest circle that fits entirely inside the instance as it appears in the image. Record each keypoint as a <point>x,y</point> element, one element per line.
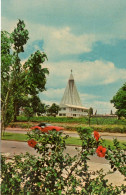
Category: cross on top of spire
<point>71,76</point>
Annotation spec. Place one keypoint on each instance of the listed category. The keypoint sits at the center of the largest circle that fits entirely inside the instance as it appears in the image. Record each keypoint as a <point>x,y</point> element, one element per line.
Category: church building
<point>70,105</point>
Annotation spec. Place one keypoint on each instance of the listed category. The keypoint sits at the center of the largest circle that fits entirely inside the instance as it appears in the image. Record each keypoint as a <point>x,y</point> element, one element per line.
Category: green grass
<point>77,141</point>
<point>15,137</point>
<point>73,141</point>
<point>69,141</point>
<point>110,143</point>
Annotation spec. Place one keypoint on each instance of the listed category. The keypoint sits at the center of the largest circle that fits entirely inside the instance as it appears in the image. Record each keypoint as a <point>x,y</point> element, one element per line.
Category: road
<point>10,148</point>
<point>15,147</point>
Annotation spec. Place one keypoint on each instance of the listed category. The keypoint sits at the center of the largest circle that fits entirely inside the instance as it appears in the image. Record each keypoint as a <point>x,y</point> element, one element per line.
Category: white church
<point>70,105</point>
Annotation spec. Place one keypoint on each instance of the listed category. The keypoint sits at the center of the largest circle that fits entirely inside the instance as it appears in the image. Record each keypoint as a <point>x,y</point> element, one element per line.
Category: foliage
<point>53,172</point>
<point>119,101</point>
<point>35,75</point>
<point>99,124</point>
<point>83,120</point>
<point>38,107</point>
<point>28,111</point>
<point>111,128</point>
<point>20,38</point>
<point>53,109</point>
<point>117,157</point>
<point>6,62</point>
<point>19,81</point>
<point>90,113</point>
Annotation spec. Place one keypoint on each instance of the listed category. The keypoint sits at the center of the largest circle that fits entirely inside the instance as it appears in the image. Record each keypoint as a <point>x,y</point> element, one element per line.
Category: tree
<point>19,81</point>
<point>37,106</point>
<point>90,113</point>
<point>6,83</point>
<point>119,101</point>
<point>54,109</point>
<point>20,38</point>
<point>96,112</point>
<point>111,113</point>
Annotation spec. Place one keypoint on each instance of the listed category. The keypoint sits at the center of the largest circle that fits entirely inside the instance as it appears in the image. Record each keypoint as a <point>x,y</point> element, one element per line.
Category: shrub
<point>83,120</point>
<point>20,125</point>
<point>52,172</point>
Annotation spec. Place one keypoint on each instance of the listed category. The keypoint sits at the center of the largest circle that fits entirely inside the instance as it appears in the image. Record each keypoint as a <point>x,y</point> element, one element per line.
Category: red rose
<point>96,135</point>
<point>101,151</point>
<point>32,143</point>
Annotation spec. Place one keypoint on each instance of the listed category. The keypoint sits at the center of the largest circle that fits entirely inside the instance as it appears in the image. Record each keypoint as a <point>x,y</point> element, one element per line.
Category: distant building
<point>70,104</point>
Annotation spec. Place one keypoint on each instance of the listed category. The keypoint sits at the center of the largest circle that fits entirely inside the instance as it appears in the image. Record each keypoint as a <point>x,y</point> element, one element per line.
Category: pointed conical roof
<point>71,95</point>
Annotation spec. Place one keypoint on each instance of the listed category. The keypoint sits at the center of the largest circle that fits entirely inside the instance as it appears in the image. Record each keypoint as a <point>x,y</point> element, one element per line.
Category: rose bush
<point>52,172</point>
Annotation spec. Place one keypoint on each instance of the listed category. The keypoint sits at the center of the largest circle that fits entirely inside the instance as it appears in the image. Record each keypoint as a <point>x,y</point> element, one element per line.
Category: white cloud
<point>102,107</point>
<point>56,40</point>
<point>8,24</point>
<point>104,19</point>
<point>53,94</point>
<point>60,41</point>
<point>85,73</point>
<point>85,96</point>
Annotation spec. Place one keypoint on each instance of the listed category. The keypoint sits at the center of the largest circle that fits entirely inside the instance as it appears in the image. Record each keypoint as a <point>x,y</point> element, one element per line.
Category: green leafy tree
<point>20,38</point>
<point>28,111</point>
<point>119,101</point>
<point>37,106</point>
<point>90,113</point>
<point>53,109</point>
<point>6,82</point>
<point>19,80</point>
<point>35,75</point>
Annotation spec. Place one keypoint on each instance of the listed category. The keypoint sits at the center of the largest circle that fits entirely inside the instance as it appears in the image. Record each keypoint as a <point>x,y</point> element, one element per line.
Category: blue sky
<point>87,36</point>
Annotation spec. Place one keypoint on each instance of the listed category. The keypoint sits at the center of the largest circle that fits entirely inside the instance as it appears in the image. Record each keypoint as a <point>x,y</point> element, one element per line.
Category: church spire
<point>71,95</point>
<point>71,76</point>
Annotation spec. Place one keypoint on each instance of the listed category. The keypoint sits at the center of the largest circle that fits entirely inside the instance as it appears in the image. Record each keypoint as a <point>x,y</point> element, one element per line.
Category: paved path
<point>13,147</point>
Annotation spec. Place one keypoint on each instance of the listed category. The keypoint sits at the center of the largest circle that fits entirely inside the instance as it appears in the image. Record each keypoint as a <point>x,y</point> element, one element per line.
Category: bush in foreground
<point>53,172</point>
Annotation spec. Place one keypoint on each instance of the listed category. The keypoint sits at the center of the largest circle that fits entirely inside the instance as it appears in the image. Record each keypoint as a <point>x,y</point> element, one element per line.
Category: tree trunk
<point>4,111</point>
<point>89,120</point>
<point>15,111</point>
<point>2,122</point>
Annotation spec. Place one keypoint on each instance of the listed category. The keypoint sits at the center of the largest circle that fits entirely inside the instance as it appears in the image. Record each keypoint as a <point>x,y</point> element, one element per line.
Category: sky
<point>87,36</point>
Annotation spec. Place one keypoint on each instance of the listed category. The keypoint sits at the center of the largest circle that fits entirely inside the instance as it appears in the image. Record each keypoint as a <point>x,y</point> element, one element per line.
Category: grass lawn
<point>15,137</point>
<point>69,141</point>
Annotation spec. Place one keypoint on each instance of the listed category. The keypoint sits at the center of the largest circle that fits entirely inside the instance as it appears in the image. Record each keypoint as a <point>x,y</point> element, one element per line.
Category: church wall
<point>70,104</point>
<point>72,112</point>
